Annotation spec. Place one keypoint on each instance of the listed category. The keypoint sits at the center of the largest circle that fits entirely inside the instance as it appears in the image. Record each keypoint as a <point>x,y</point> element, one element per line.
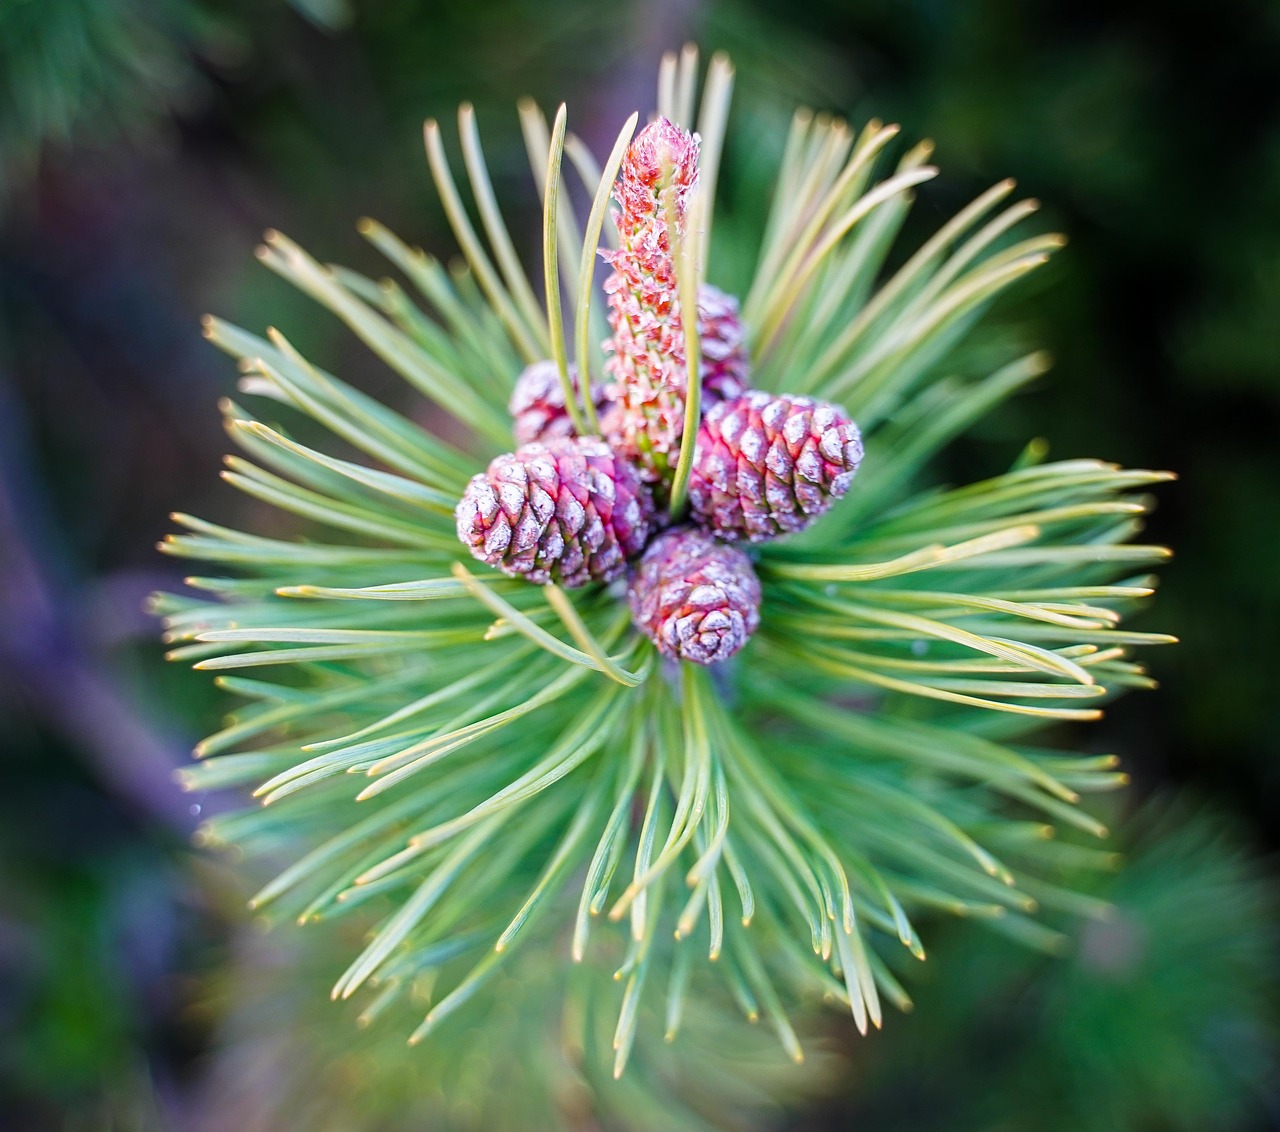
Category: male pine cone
<point>697,599</point>
<point>646,349</point>
<point>769,465</point>
<point>567,511</point>
<point>537,405</point>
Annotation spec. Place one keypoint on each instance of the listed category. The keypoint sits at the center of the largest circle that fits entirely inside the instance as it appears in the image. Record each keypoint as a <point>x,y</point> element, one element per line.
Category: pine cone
<point>726,365</point>
<point>537,403</point>
<point>769,465</point>
<point>646,349</point>
<point>568,511</point>
<point>695,598</point>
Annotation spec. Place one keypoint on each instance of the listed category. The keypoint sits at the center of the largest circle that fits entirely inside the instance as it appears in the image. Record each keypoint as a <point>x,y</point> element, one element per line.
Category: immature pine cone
<point>646,350</point>
<point>537,403</point>
<point>726,365</point>
<point>568,511</point>
<point>769,465</point>
<point>696,598</point>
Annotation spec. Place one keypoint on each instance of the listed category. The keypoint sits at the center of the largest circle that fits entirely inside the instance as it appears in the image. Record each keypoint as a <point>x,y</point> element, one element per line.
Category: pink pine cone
<point>697,599</point>
<point>726,364</point>
<point>568,511</point>
<point>537,403</point>
<point>646,349</point>
<point>768,465</point>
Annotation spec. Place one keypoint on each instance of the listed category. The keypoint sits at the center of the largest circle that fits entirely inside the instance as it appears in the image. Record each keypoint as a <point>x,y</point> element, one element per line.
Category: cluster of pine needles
<point>470,765</point>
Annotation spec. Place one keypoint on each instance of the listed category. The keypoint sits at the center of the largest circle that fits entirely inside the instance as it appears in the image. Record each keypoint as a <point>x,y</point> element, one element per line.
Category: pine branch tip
<point>1070,676</point>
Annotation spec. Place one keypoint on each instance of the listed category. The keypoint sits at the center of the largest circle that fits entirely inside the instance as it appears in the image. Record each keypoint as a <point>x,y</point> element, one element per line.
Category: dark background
<point>144,146</point>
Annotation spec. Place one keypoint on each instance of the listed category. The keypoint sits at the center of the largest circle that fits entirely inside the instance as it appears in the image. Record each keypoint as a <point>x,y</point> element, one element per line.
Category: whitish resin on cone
<point>697,599</point>
<point>537,403</point>
<point>646,353</point>
<point>569,511</point>
<point>768,465</point>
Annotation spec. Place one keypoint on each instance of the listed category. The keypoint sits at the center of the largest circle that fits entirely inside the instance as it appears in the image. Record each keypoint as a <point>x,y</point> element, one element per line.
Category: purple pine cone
<point>568,511</point>
<point>726,364</point>
<point>537,403</point>
<point>768,465</point>
<point>695,598</point>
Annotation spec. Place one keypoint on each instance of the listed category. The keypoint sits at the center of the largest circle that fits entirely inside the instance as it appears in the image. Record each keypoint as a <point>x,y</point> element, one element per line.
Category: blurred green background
<point>144,146</point>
